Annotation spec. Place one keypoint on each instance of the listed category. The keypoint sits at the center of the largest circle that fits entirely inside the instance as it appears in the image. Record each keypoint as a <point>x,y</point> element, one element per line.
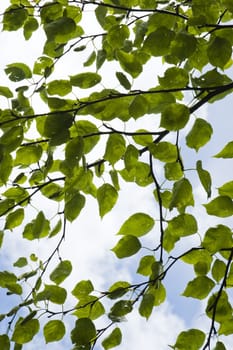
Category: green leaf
<point>118,289</point>
<point>137,225</point>
<point>14,17</point>
<point>30,26</point>
<point>43,66</point>
<point>54,331</point>
<point>199,258</point>
<point>56,127</point>
<point>199,287</point>
<point>100,58</point>
<point>158,42</point>
<point>53,293</point>
<point>74,150</point>
<point>113,339</point>
<point>6,92</point>
<point>182,225</point>
<point>217,238</point>
<point>226,189</point>
<point>204,177</point>
<point>14,219</point>
<point>164,151</point>
<point>117,35</point>
<point>25,332</point>
<point>184,45</point>
<point>174,77</point>
<point>221,206</point>
<point>218,270</point>
<point>115,148</point>
<point>144,139</point>
<point>223,310</point>
<point>4,342</point>
<point>53,191</point>
<point>193,338</point>
<point>120,309</point>
<point>174,117</point>
<point>59,87</point>
<point>138,107</point>
<point>61,272</point>
<point>199,135</point>
<point>146,305</point>
<point>89,306</point>
<point>123,80</point>
<point>129,63</point>
<point>85,128</point>
<point>61,30</point>
<point>85,80</point>
<point>12,138</point>
<point>226,328</point>
<point>28,155</point>
<point>21,262</point>
<point>226,152</point>
<point>83,332</point>
<point>6,205</point>
<point>219,51</point>
<point>114,178</point>
<point>82,289</point>
<point>74,203</point>
<point>145,265</point>
<point>18,71</point>
<point>173,171</point>
<point>219,345</point>
<point>37,228</point>
<point>127,246</point>
<point>90,59</point>
<point>131,157</point>
<point>182,195</point>
<point>106,197</point>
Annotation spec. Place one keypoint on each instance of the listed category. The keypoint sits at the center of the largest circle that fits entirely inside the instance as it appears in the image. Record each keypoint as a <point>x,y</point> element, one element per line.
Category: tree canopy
<point>89,117</point>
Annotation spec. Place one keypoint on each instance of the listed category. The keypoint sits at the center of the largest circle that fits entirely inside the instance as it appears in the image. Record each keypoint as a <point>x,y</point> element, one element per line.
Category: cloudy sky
<point>89,239</point>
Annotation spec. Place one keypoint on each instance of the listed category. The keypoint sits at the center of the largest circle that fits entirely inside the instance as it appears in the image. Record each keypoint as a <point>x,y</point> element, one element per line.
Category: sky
<point>89,239</point>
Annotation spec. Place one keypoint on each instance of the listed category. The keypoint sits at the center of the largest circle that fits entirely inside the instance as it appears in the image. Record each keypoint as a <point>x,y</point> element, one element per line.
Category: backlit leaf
<point>226,189</point>
<point>85,80</point>
<point>199,135</point>
<point>54,330</point>
<point>137,225</point>
<point>83,332</point>
<point>123,80</point>
<point>113,339</point>
<point>164,151</point>
<point>182,195</point>
<point>106,197</point>
<point>226,152</point>
<point>25,332</point>
<point>174,117</point>
<point>219,51</point>
<point>193,337</point>
<point>52,293</point>
<point>199,287</point>
<point>127,246</point>
<point>14,219</point>
<point>146,305</point>
<point>73,206</point>
<point>115,148</point>
<point>204,177</point>
<point>158,42</point>
<point>221,206</point>
<point>82,289</point>
<point>61,272</point>
<point>217,238</point>
<point>18,71</point>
